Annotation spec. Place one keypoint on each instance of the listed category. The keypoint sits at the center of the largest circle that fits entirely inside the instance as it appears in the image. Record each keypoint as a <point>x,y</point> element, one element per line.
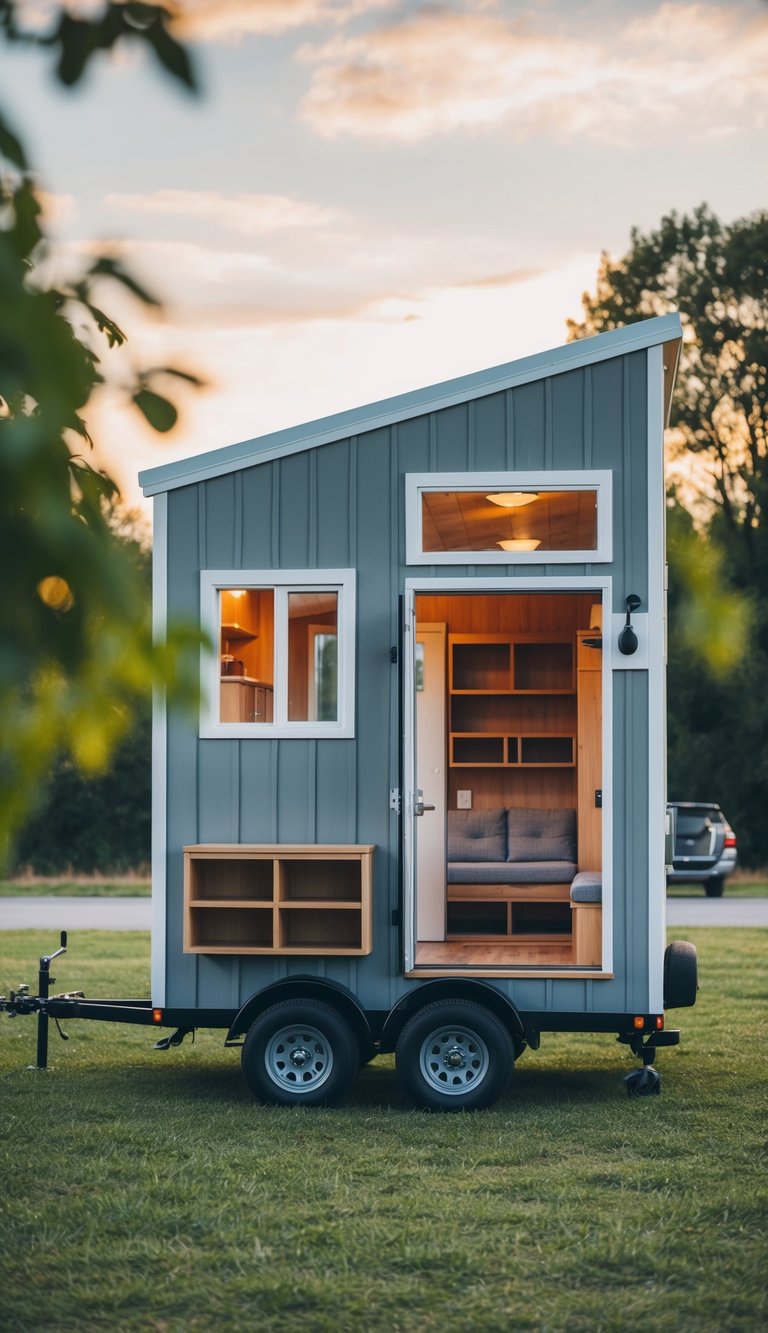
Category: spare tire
<point>680,975</point>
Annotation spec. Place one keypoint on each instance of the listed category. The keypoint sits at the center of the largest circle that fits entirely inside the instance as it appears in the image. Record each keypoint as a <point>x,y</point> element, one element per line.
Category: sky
<point>371,196</point>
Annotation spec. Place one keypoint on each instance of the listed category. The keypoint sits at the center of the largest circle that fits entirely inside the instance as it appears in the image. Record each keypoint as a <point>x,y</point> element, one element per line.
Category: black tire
<point>300,1053</point>
<point>454,1055</point>
<point>714,887</point>
<point>680,975</point>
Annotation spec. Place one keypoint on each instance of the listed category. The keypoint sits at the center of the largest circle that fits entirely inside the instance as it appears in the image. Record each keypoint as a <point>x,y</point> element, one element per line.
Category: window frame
<point>598,480</point>
<point>281,582</point>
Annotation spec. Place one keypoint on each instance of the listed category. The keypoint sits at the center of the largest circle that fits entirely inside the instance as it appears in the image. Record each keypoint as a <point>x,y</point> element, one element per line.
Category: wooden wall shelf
<point>278,899</point>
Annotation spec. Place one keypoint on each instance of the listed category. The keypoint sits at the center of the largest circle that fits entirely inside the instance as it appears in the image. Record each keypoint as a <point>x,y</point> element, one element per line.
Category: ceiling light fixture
<point>512,499</point>
<point>519,544</point>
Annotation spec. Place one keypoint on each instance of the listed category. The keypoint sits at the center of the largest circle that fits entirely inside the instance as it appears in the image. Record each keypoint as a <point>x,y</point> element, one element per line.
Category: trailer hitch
<point>21,1002</point>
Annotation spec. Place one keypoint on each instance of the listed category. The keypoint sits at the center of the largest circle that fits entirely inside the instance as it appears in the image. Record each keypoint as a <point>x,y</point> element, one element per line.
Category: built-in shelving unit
<point>512,702</point>
<point>278,899</point>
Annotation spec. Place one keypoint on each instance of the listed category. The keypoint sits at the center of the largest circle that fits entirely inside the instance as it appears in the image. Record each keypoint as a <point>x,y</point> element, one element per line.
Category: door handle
<point>418,803</point>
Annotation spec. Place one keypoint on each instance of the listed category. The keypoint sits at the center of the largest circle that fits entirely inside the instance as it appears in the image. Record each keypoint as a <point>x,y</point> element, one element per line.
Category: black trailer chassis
<point>375,1032</point>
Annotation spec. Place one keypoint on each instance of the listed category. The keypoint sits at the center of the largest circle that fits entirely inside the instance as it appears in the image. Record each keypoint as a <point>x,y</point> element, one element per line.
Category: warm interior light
<point>237,592</point>
<point>512,499</point>
<point>519,544</point>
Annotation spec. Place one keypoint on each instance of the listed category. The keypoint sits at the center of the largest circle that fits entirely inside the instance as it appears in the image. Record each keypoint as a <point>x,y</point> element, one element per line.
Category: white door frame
<point>601,585</point>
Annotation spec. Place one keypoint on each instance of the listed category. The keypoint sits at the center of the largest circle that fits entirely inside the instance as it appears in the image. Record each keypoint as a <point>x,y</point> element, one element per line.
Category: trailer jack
<point>175,1039</point>
<point>646,1082</point>
<point>21,1002</point>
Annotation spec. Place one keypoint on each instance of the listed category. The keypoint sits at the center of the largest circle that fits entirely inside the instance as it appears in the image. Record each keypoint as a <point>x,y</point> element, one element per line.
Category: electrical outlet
<point>463,800</point>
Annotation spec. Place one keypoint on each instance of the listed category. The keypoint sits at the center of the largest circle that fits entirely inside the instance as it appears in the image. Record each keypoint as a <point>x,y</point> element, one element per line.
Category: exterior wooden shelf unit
<point>277,899</point>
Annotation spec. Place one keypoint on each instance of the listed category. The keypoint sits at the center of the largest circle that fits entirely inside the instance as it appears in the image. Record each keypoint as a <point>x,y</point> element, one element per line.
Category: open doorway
<point>508,765</point>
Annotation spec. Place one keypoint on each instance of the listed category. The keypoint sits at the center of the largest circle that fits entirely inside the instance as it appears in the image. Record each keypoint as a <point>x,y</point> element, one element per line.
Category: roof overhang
<point>663,331</point>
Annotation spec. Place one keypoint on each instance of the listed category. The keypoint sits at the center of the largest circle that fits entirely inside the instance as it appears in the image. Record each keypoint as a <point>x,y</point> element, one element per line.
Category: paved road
<point>136,913</point>
<point>56,914</point>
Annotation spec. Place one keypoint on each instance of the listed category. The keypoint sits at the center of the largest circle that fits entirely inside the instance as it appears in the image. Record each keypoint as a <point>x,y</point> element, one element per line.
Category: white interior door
<point>429,692</point>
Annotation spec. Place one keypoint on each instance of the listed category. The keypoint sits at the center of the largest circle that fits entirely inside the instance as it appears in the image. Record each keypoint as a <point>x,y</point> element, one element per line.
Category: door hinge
<point>393,655</point>
<point>599,798</point>
<point>394,800</point>
<point>395,916</point>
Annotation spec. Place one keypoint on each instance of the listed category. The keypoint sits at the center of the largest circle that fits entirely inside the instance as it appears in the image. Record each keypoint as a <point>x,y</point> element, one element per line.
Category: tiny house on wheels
<point>423,807</point>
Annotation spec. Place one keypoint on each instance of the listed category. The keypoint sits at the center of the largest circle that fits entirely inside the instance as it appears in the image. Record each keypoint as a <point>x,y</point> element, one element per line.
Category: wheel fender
<point>310,988</point>
<point>447,988</point>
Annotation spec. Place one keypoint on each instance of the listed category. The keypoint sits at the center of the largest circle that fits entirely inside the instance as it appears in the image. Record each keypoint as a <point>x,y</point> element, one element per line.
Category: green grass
<point>75,888</point>
<point>144,1190</point>
<point>745,888</point>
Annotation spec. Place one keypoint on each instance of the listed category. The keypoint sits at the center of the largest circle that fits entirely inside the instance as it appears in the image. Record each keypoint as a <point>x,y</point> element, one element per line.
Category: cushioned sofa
<point>511,846</point>
<point>520,854</point>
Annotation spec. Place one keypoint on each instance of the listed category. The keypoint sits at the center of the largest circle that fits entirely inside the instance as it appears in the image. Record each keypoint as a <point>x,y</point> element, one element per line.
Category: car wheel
<point>714,886</point>
<point>454,1055</point>
<point>680,975</point>
<point>300,1053</point>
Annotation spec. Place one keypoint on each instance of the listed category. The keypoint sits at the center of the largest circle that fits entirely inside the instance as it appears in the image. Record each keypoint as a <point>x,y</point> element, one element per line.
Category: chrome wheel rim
<point>299,1058</point>
<point>453,1060</point>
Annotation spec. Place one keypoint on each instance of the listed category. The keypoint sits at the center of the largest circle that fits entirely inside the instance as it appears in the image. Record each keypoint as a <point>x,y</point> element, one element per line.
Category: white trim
<point>159,756</point>
<point>600,583</point>
<point>599,480</point>
<point>376,416</point>
<point>657,738</point>
<point>283,582</point>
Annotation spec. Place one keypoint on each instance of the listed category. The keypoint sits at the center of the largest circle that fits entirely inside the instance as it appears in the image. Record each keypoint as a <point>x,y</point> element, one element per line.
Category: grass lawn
<point>146,1190</point>
<point>90,887</point>
<point>734,888</point>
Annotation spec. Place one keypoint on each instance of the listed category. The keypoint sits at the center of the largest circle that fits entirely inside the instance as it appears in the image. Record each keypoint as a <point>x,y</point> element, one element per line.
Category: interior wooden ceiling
<point>469,521</point>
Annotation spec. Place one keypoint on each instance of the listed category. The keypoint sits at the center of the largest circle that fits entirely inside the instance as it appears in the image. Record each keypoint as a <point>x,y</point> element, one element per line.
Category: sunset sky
<point>373,195</point>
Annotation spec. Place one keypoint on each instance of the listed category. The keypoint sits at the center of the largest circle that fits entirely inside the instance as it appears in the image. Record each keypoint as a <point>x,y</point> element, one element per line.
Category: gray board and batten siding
<point>331,495</point>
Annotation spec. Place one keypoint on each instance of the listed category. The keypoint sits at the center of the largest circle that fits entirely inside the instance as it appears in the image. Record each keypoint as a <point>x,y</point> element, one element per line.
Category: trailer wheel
<point>300,1053</point>
<point>680,975</point>
<point>454,1055</point>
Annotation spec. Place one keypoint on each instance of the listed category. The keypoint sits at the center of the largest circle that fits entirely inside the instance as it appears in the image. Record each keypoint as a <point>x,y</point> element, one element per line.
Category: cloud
<point>229,20</point>
<point>677,66</point>
<point>248,214</point>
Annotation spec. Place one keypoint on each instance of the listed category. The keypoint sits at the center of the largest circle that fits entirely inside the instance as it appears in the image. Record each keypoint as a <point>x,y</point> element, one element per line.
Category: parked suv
<point>704,848</point>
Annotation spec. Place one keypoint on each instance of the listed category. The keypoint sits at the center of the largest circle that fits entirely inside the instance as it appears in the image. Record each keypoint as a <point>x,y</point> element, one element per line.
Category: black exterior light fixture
<point>628,638</point>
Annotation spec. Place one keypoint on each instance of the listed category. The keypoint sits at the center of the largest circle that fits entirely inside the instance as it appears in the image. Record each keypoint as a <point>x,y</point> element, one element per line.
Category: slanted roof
<point>665,330</point>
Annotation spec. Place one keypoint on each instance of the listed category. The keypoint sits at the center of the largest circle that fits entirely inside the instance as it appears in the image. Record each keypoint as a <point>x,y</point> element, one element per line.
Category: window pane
<point>246,620</point>
<point>313,691</point>
<point>509,521</point>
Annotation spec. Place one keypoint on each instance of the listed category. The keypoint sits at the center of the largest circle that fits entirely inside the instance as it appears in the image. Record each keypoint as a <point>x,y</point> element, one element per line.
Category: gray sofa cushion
<point>511,872</point>
<point>477,835</point>
<point>587,887</point>
<point>541,835</point>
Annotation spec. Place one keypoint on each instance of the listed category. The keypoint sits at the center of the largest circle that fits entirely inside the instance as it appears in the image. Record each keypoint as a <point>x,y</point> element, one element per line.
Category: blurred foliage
<point>77,657</point>
<point>716,276</point>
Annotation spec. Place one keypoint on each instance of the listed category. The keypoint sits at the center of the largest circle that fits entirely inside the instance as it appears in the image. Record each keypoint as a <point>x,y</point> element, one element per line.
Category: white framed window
<point>519,518</point>
<point>283,659</point>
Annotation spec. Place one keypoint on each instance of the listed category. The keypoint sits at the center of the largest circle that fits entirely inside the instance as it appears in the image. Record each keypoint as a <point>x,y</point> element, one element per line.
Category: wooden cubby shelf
<point>277,899</point>
<point>512,701</point>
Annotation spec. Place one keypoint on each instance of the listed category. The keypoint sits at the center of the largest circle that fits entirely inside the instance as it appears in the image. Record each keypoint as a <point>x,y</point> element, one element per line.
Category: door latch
<point>419,805</point>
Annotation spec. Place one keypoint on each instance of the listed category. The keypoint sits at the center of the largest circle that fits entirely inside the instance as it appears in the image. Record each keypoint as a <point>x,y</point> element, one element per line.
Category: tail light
<point>730,840</point>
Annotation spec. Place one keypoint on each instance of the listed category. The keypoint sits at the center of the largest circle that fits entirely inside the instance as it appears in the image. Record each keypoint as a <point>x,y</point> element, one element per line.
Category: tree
<point>717,277</point>
<point>76,649</point>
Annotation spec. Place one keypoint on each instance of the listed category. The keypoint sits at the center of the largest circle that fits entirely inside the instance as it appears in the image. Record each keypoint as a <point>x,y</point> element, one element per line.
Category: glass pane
<point>313,690</point>
<point>509,521</point>
<point>246,620</point>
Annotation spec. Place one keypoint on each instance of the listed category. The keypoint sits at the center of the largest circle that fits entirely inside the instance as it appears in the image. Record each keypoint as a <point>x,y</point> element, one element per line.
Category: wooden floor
<point>479,953</point>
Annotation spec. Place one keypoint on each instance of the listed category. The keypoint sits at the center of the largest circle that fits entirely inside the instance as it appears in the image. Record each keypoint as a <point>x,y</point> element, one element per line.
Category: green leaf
<point>11,146</point>
<point>172,56</point>
<point>160,414</point>
<point>106,267</point>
